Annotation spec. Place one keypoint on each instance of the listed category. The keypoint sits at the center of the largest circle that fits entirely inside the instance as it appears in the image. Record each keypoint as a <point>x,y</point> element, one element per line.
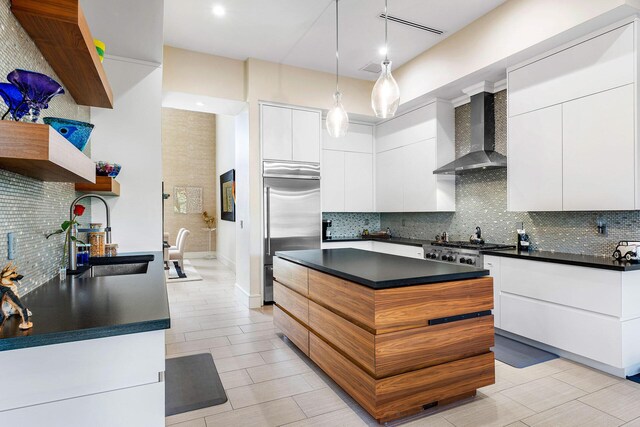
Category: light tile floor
<point>270,383</point>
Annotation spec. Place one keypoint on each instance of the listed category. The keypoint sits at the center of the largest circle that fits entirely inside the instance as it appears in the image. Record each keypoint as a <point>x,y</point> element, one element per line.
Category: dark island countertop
<point>592,261</point>
<point>380,271</point>
<point>396,240</point>
<point>89,308</point>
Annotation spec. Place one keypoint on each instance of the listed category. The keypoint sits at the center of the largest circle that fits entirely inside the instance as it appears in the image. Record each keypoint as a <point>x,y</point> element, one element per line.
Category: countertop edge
<point>399,241</point>
<point>557,259</point>
<point>17,343</point>
<point>387,284</point>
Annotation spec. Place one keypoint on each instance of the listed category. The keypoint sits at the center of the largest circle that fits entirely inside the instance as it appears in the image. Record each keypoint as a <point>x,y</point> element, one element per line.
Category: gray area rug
<point>192,382</point>
<point>519,355</point>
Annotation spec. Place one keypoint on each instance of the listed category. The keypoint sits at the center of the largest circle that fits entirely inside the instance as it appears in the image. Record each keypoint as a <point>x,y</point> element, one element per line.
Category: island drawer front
<point>411,349</point>
<point>295,331</point>
<point>291,275</point>
<point>354,302</point>
<point>416,305</point>
<point>350,339</point>
<point>401,394</point>
<point>291,301</point>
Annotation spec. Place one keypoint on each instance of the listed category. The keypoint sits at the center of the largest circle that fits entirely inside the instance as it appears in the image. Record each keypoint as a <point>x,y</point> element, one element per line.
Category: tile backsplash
<point>29,208</point>
<point>481,200</point>
<point>349,224</point>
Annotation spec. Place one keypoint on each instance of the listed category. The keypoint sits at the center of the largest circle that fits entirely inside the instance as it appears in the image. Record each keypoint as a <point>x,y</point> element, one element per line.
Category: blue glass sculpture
<point>37,89</point>
<point>12,96</point>
<point>75,132</point>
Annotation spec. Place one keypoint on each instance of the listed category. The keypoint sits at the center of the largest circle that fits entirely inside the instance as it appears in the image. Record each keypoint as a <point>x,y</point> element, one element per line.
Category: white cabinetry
<point>409,148</point>
<point>347,170</point>
<point>290,134</point>
<point>400,250</point>
<point>588,314</point>
<point>572,139</point>
<point>493,265</point>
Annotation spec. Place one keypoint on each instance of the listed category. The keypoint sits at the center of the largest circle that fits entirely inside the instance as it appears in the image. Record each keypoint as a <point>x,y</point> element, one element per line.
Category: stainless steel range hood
<point>483,133</point>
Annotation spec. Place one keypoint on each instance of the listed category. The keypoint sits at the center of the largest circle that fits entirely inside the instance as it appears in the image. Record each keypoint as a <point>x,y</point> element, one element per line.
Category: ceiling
<point>302,32</point>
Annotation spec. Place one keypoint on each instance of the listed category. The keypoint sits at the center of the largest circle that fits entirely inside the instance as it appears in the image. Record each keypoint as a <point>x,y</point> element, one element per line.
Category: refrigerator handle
<point>268,218</point>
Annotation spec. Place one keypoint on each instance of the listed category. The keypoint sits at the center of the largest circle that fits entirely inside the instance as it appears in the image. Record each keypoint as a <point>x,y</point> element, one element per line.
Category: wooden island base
<point>379,344</point>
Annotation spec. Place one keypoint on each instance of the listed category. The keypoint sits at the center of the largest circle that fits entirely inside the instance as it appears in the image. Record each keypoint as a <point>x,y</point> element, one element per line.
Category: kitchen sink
<point>115,270</point>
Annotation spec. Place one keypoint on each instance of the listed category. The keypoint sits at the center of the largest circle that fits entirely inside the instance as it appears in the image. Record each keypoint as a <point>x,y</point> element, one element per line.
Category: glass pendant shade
<point>337,119</point>
<point>385,96</point>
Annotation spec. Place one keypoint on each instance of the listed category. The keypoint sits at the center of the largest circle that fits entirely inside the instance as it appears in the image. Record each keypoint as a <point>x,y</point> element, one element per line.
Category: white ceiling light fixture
<point>337,119</point>
<point>383,50</point>
<point>200,104</point>
<point>218,10</point>
<point>385,96</point>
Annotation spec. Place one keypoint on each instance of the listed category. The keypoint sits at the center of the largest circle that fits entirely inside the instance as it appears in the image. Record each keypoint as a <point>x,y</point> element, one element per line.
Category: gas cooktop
<point>472,245</point>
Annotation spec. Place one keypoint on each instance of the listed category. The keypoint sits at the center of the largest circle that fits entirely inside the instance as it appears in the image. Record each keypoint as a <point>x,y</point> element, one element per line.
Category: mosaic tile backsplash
<point>29,208</point>
<point>481,200</point>
<point>351,224</point>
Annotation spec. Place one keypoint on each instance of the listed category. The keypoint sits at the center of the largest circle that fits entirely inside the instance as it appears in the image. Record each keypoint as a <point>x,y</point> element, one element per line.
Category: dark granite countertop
<point>380,271</point>
<point>82,309</point>
<point>592,261</point>
<point>396,240</point>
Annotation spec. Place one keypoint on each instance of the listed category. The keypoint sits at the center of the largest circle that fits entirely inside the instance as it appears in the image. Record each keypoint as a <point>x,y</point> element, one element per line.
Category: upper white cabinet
<point>599,63</point>
<point>290,134</point>
<point>347,170</point>
<point>535,160</point>
<point>409,148</point>
<point>572,140</point>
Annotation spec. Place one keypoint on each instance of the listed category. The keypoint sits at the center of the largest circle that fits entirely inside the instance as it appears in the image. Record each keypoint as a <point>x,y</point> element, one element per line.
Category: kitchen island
<point>95,354</point>
<point>397,334</point>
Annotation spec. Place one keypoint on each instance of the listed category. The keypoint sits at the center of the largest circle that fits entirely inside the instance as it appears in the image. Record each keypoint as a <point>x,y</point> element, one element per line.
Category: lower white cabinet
<point>588,314</point>
<point>377,246</point>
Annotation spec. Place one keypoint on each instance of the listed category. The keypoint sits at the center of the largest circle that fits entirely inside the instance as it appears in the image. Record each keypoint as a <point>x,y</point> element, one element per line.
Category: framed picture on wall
<point>228,195</point>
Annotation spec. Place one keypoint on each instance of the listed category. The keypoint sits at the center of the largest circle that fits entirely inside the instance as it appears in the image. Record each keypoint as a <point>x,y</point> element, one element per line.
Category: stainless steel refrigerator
<point>292,216</point>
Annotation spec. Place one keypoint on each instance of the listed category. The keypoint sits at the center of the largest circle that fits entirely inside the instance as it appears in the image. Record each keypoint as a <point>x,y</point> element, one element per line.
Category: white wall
<point>225,160</point>
<point>247,293</point>
<point>130,135</point>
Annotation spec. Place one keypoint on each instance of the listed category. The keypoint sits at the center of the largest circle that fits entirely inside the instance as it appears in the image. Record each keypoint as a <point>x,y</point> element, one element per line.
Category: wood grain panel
<point>352,340</point>
<point>38,151</point>
<point>417,348</point>
<point>352,301</point>
<point>352,379</point>
<point>297,333</point>
<point>104,185</point>
<point>414,389</point>
<point>400,395</point>
<point>291,301</point>
<point>60,30</point>
<point>415,305</point>
<point>291,275</point>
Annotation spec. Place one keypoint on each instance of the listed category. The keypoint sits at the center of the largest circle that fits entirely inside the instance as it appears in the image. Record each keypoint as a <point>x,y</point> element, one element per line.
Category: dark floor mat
<point>635,378</point>
<point>192,382</point>
<point>519,355</point>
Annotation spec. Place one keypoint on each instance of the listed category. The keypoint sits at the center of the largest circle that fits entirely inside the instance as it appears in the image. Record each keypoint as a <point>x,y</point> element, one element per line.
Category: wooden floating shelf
<point>40,152</point>
<point>105,185</point>
<point>60,30</point>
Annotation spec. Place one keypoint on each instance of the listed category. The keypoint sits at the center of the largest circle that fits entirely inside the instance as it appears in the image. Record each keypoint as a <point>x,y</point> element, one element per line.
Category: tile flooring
<point>270,383</point>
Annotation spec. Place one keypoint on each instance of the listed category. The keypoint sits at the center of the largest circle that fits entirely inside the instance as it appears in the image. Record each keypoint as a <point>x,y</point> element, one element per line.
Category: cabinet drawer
<point>598,64</point>
<point>588,334</point>
<point>400,250</point>
<point>295,331</point>
<point>291,301</point>
<point>418,348</point>
<point>292,275</point>
<point>590,289</point>
<point>352,340</point>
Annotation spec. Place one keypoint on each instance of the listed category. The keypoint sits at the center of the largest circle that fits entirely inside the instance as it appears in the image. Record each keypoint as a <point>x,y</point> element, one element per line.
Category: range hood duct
<point>483,140</point>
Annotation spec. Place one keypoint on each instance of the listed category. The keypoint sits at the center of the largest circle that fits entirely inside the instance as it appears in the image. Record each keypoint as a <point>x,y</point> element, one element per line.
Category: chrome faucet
<point>73,262</point>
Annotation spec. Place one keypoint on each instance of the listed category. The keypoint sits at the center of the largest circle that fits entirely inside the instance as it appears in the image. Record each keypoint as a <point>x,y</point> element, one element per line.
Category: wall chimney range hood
<point>483,132</point>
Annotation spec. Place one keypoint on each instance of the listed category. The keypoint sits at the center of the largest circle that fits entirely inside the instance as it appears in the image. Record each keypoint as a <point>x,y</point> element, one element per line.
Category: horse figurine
<point>9,295</point>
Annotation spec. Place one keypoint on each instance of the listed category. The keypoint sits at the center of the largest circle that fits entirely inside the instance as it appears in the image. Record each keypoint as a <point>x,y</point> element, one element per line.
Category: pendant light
<point>337,119</point>
<point>385,96</point>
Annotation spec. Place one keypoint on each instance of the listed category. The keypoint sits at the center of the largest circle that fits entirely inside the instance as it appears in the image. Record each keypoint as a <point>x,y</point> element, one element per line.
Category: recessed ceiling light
<point>200,104</point>
<point>218,10</point>
<point>382,51</point>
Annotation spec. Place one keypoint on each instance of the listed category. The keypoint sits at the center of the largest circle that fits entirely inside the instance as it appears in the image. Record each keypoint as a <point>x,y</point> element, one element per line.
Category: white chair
<point>175,247</point>
<point>178,253</point>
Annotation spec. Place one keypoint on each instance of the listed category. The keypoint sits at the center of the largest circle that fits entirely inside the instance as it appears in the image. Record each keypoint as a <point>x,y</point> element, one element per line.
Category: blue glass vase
<point>37,89</point>
<point>14,100</point>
